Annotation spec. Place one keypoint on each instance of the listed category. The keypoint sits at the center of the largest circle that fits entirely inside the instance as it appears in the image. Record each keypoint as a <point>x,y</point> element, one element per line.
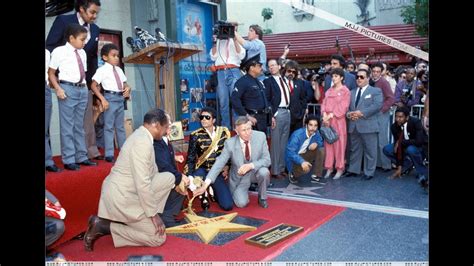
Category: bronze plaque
<point>273,235</point>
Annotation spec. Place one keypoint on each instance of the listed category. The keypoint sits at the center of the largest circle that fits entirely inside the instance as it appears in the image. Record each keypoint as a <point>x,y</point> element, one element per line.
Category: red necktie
<point>291,87</point>
<point>284,91</point>
<point>81,67</point>
<point>247,151</point>
<point>117,79</point>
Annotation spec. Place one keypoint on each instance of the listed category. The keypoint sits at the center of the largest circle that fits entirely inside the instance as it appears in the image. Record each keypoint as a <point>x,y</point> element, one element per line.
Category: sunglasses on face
<point>292,71</point>
<point>207,117</point>
<point>360,77</point>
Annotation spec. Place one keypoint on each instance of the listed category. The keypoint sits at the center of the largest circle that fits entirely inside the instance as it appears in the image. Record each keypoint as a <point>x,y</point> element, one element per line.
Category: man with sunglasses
<point>298,97</point>
<point>205,145</point>
<point>364,109</point>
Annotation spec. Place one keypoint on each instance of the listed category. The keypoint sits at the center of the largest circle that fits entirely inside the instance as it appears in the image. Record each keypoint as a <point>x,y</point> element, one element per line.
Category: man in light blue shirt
<point>254,45</point>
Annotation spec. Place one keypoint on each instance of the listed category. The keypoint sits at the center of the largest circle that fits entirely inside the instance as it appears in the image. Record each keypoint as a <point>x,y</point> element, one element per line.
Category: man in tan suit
<point>134,193</point>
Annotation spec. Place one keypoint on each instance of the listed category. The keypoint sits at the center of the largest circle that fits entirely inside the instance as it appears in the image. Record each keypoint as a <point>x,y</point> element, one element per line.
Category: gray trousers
<point>113,121</point>
<point>240,191</point>
<point>363,144</point>
<point>71,122</point>
<point>48,106</point>
<point>280,135</point>
<point>383,139</point>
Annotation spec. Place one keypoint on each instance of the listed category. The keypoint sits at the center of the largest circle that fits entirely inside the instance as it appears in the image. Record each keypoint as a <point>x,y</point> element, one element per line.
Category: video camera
<point>223,30</point>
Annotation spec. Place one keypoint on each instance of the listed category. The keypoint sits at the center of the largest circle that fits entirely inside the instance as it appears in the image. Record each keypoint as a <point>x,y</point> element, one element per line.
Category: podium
<point>157,54</point>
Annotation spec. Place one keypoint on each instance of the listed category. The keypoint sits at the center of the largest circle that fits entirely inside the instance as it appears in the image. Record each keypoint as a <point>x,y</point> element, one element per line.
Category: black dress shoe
<point>204,203</point>
<point>95,229</point>
<point>72,166</point>
<point>263,203</point>
<point>100,157</point>
<point>253,187</point>
<point>349,174</point>
<point>53,168</point>
<point>367,177</point>
<point>110,159</point>
<point>88,163</point>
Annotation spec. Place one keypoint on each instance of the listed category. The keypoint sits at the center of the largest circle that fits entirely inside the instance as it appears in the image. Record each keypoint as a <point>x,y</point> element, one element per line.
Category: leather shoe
<point>88,163</point>
<point>349,174</point>
<point>93,232</point>
<point>263,203</point>
<point>53,168</point>
<point>110,159</point>
<point>72,166</point>
<point>205,203</point>
<point>279,176</point>
<point>100,157</point>
<point>367,177</point>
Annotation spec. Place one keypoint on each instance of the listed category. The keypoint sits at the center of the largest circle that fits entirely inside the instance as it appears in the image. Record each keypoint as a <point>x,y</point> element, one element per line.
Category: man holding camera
<point>254,45</point>
<point>227,54</point>
<point>248,97</point>
<point>406,93</point>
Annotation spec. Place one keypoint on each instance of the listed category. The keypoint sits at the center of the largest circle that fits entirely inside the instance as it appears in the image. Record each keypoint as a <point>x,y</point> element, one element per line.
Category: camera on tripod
<point>223,30</point>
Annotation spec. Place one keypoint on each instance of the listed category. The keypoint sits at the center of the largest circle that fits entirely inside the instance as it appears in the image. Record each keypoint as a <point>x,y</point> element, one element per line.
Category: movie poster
<point>195,27</point>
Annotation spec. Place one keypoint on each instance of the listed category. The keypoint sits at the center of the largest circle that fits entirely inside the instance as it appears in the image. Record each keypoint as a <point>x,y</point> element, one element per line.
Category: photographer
<point>254,45</point>
<point>406,93</point>
<point>227,54</point>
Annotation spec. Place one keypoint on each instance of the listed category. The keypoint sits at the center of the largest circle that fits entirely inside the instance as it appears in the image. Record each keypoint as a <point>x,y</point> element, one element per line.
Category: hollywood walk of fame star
<point>208,228</point>
<point>294,189</point>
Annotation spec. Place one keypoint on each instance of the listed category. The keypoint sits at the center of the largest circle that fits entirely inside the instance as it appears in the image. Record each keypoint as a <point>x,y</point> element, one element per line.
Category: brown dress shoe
<point>94,231</point>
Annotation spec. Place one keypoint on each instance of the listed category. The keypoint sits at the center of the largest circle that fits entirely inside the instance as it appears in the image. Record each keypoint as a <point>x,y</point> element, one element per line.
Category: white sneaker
<point>328,173</point>
<point>292,179</point>
<point>314,179</point>
<point>338,174</point>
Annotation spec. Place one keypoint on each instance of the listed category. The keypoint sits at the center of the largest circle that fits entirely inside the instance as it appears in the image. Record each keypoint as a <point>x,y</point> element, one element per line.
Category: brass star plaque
<point>208,228</point>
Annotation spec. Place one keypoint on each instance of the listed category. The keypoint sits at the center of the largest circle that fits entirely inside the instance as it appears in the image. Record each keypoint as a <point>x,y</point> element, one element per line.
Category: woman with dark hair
<point>335,105</point>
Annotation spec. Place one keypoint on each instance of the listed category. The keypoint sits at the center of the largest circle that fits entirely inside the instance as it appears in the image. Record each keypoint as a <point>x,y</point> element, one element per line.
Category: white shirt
<point>226,53</point>
<point>47,59</point>
<point>305,144</point>
<point>64,59</point>
<point>405,132</point>
<point>105,76</point>
<point>242,144</point>
<point>284,90</point>
<point>88,27</point>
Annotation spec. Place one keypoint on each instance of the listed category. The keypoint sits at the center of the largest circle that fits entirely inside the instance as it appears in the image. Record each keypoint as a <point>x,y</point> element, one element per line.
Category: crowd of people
<point>143,193</point>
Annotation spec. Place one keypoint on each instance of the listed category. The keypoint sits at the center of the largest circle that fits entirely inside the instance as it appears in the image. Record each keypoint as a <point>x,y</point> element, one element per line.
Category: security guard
<point>248,97</point>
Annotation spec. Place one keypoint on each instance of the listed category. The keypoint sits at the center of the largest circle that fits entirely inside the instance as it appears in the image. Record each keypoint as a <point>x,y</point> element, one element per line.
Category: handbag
<point>329,134</point>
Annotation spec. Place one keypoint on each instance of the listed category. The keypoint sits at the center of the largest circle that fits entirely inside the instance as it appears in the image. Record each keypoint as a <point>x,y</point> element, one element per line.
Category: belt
<point>114,92</point>
<point>72,84</point>
<point>224,67</point>
<point>255,112</point>
<point>284,107</point>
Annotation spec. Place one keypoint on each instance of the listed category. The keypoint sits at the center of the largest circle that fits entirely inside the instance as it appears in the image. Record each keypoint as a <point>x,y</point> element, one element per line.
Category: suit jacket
<point>259,156</point>
<point>416,134</point>
<point>165,161</point>
<point>56,38</point>
<point>273,93</point>
<point>349,81</point>
<point>298,100</point>
<point>127,194</point>
<point>370,103</point>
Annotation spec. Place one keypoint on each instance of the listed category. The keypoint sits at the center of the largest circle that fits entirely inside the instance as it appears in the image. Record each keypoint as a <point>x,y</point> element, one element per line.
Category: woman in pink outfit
<point>335,105</point>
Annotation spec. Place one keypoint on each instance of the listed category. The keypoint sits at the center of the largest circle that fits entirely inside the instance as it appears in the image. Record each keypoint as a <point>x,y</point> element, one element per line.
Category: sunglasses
<point>292,71</point>
<point>208,117</point>
<point>360,77</point>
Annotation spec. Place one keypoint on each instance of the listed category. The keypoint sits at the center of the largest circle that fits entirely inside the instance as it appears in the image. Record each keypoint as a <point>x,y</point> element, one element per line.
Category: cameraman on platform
<point>254,45</point>
<point>227,54</point>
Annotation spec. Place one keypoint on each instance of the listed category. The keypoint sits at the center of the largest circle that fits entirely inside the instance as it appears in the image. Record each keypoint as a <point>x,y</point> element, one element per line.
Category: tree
<point>417,14</point>
<point>267,14</point>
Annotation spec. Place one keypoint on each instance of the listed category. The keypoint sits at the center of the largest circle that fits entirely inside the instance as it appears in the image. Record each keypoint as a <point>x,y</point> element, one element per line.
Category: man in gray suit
<point>248,152</point>
<point>366,102</point>
<point>135,192</point>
